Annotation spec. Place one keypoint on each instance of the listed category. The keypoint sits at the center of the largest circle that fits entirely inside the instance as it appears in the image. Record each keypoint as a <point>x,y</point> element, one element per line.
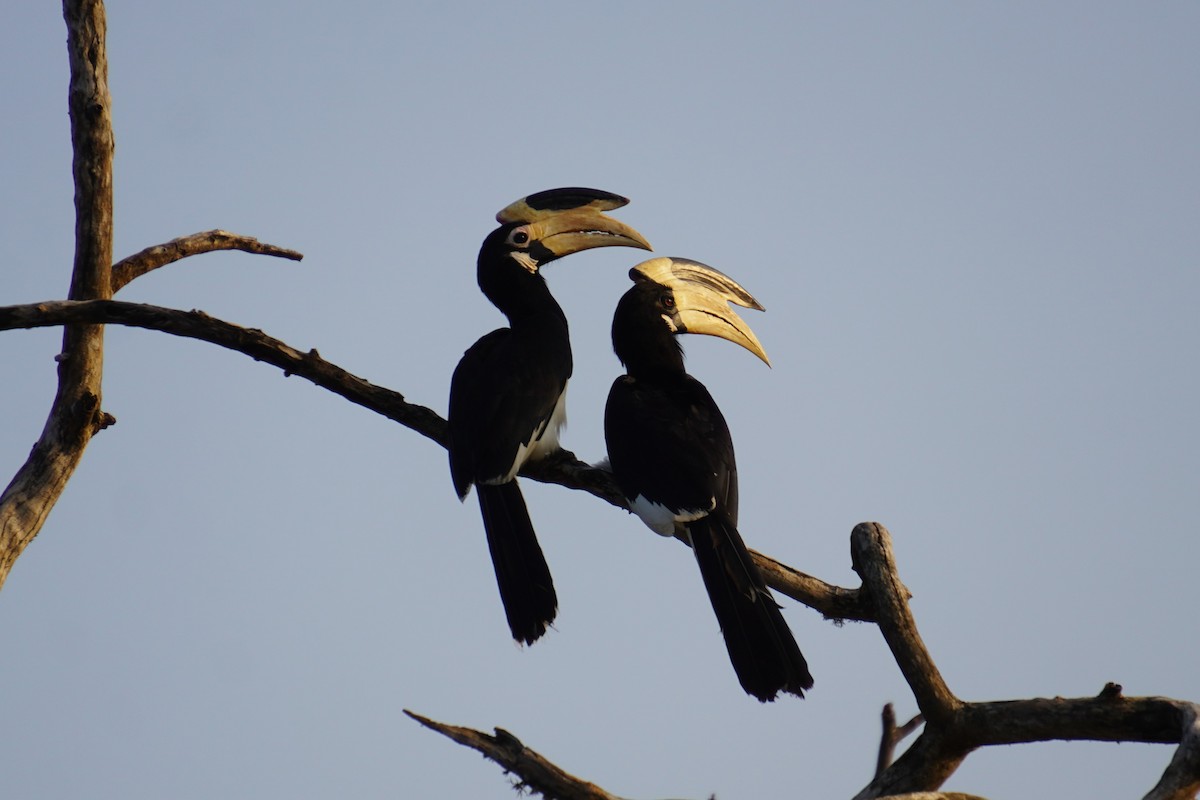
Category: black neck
<point>642,340</point>
<point>521,295</point>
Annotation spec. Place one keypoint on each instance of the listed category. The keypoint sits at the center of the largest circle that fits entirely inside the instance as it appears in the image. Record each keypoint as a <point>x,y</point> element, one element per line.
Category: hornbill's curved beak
<point>569,220</point>
<point>702,296</point>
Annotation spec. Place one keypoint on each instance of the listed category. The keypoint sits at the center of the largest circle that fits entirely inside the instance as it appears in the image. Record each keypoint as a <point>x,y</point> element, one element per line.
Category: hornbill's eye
<point>519,237</point>
<point>668,301</point>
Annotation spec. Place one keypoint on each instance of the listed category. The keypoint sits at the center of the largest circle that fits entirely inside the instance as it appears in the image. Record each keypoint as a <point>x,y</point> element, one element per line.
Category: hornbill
<point>508,393</point>
<point>671,454</point>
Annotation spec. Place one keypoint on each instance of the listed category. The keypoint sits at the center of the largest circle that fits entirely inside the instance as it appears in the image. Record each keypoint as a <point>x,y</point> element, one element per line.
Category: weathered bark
<point>873,560</point>
<point>160,255</point>
<point>953,728</point>
<point>75,413</point>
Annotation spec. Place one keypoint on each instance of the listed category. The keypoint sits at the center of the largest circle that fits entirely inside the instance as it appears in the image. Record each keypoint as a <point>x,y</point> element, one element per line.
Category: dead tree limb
<point>892,735</point>
<point>872,557</point>
<point>249,341</point>
<point>563,468</point>
<point>1181,778</point>
<point>75,413</point>
<point>954,728</point>
<point>535,773</point>
<point>160,255</point>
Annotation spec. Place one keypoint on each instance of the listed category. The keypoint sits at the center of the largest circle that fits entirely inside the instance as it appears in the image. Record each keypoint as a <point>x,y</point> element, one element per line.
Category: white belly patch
<point>663,520</point>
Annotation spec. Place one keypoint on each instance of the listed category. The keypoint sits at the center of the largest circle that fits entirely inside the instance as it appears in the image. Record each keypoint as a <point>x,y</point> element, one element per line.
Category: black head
<point>546,226</point>
<point>644,327</point>
<point>671,296</point>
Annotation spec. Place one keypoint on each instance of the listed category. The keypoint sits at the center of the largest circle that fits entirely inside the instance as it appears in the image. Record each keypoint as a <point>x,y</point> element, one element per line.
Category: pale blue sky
<point>974,227</point>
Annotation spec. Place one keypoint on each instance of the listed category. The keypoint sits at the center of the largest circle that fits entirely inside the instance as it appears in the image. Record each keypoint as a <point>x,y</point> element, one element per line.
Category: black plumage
<point>507,395</point>
<point>672,456</point>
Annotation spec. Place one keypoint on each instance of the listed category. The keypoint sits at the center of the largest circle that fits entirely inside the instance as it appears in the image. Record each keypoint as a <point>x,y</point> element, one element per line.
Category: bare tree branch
<point>872,557</point>
<point>887,741</point>
<point>1181,779</point>
<point>942,747</point>
<point>892,735</point>
<point>953,729</point>
<point>834,602</point>
<point>249,341</point>
<point>960,727</point>
<point>160,255</point>
<point>562,468</point>
<point>1102,719</point>
<point>535,772</point>
<point>75,413</point>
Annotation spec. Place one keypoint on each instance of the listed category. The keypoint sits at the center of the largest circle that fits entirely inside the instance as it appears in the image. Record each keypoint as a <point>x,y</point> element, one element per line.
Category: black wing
<point>669,443</point>
<point>499,400</point>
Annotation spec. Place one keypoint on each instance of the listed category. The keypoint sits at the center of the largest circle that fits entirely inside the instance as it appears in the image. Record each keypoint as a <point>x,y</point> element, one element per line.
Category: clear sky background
<point>976,230</point>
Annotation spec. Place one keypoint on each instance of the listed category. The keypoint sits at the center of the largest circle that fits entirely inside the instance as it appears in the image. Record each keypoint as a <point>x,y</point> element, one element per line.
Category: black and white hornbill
<point>672,457</point>
<point>508,393</point>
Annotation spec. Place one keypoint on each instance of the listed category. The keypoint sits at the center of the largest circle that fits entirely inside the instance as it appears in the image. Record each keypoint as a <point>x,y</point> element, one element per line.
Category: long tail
<point>526,588</point>
<point>761,647</point>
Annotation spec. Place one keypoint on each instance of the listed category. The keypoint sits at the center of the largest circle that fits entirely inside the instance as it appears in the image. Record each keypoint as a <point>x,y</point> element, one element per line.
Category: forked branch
<point>76,413</point>
<point>892,735</point>
<point>956,728</point>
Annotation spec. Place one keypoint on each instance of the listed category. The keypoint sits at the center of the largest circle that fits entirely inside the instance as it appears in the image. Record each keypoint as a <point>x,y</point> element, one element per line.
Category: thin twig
<point>892,736</point>
<point>887,740</point>
<point>160,255</point>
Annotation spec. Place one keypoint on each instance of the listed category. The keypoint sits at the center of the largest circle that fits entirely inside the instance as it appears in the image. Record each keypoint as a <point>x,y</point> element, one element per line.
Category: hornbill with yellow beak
<point>672,457</point>
<point>508,393</point>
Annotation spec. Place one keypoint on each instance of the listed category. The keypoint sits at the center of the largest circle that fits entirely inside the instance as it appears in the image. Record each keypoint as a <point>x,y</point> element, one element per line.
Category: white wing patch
<point>663,520</point>
<point>547,442</point>
<point>542,443</point>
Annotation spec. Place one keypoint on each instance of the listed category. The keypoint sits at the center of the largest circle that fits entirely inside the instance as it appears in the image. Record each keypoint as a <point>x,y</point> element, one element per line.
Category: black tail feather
<point>761,647</point>
<point>526,588</point>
